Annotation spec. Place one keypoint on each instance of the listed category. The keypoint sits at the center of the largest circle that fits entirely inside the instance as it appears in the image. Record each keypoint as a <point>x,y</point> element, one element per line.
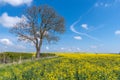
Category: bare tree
<point>40,24</point>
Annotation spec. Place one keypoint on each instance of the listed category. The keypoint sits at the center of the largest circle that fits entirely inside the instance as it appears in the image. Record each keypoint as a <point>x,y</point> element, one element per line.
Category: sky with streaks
<point>91,25</point>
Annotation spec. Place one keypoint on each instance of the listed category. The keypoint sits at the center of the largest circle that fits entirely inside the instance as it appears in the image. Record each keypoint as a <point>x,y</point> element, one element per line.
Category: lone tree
<point>40,23</point>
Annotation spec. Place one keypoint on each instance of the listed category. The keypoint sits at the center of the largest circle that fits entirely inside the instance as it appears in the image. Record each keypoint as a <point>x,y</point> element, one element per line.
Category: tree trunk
<point>38,50</point>
<point>37,53</point>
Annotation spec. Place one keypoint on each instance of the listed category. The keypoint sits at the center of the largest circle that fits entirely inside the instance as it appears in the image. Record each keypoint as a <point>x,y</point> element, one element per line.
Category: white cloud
<point>20,47</point>
<point>6,42</point>
<point>96,4</point>
<point>93,46</point>
<point>70,49</point>
<point>62,48</point>
<point>117,32</point>
<point>16,2</point>
<point>78,37</point>
<point>106,5</point>
<point>85,26</point>
<point>8,21</point>
<point>47,48</point>
<point>101,4</point>
<point>78,49</point>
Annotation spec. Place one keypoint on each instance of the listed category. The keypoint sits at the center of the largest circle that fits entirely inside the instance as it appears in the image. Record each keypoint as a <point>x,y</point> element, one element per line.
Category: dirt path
<point>24,61</point>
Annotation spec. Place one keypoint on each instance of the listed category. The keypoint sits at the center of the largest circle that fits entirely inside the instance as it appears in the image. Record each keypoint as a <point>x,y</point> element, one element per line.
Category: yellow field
<point>66,67</point>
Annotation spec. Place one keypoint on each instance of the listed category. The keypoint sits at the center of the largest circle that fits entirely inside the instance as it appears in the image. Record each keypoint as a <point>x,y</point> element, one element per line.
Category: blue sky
<point>91,25</point>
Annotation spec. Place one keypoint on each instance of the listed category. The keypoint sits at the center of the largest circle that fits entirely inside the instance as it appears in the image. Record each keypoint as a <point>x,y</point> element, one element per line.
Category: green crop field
<point>66,67</point>
<point>9,57</point>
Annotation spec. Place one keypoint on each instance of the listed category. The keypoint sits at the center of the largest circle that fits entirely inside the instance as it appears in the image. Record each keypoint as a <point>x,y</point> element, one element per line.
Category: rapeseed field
<point>66,67</point>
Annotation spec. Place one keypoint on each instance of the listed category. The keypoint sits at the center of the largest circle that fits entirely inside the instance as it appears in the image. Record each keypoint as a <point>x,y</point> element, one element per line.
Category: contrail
<point>99,27</point>
<point>80,33</point>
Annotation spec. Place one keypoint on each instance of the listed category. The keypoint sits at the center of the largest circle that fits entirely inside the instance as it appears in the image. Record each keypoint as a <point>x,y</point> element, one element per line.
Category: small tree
<point>39,24</point>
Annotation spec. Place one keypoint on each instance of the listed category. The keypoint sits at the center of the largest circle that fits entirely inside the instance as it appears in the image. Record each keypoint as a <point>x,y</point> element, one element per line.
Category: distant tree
<point>40,23</point>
